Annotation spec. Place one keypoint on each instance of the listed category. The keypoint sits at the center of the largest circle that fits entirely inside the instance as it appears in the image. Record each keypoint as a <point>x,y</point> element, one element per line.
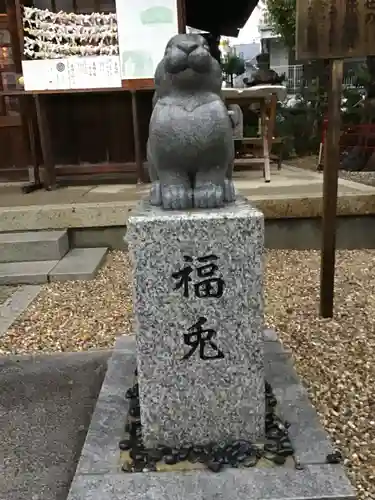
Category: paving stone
<point>46,404</point>
<point>29,273</point>
<point>314,483</point>
<point>33,246</point>
<point>310,441</point>
<point>15,305</point>
<point>7,291</point>
<point>101,453</point>
<point>98,473</point>
<point>270,335</point>
<point>274,350</point>
<point>79,264</point>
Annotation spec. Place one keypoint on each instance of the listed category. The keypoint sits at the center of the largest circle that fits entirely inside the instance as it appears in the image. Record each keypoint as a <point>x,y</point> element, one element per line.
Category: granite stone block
<point>198,278</point>
<point>315,482</point>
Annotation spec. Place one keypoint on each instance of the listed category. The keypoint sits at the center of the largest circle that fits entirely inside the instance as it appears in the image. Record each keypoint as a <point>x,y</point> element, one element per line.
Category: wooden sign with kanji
<point>335,29</point>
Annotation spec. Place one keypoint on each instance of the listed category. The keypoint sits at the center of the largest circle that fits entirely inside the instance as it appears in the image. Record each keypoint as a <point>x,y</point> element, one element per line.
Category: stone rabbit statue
<point>190,147</point>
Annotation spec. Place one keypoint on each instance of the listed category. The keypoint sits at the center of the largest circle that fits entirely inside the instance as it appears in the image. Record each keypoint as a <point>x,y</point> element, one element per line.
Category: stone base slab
<point>98,475</point>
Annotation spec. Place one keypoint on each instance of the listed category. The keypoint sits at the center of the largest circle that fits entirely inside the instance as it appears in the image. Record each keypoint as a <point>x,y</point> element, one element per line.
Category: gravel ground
<point>76,316</point>
<point>367,178</point>
<point>6,292</point>
<point>335,358</point>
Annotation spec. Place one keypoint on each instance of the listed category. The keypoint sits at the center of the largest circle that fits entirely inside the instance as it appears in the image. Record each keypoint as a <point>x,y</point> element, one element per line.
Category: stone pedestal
<point>199,323</point>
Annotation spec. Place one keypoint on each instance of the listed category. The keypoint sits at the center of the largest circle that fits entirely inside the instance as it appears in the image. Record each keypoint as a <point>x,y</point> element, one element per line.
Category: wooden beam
<point>330,186</point>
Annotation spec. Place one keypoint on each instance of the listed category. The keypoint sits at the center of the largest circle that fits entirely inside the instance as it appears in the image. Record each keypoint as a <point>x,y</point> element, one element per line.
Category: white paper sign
<point>72,73</point>
<point>144,28</point>
<point>94,72</point>
<point>45,74</point>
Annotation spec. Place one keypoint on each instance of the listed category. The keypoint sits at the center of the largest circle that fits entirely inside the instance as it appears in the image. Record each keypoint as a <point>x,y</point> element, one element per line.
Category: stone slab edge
<point>106,214</point>
<point>65,271</point>
<point>98,473</point>
<point>15,305</point>
<point>49,245</point>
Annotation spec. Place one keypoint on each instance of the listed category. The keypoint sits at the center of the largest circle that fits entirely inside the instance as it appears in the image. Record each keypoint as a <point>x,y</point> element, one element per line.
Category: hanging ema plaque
<point>335,29</point>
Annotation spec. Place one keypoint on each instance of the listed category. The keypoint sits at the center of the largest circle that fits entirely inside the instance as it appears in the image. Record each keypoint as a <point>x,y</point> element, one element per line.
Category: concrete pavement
<point>46,403</point>
<point>292,193</point>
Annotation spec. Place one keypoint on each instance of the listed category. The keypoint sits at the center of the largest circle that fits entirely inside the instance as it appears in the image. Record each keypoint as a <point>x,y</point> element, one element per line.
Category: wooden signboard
<point>335,29</point>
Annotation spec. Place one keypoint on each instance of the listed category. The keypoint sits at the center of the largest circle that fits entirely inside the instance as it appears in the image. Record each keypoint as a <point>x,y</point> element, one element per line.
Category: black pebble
<point>250,461</point>
<point>137,456</point>
<point>125,444</point>
<point>272,402</point>
<point>165,450</point>
<point>149,467</point>
<point>133,429</point>
<point>127,467</point>
<point>129,393</point>
<point>285,449</point>
<point>214,466</point>
<point>268,455</point>
<point>298,465</point>
<point>135,411</point>
<point>138,432</point>
<point>183,454</point>
<point>274,433</point>
<point>334,458</point>
<point>279,460</point>
<point>193,457</point>
<point>155,455</point>
<point>139,466</point>
<point>170,459</point>
<point>271,447</point>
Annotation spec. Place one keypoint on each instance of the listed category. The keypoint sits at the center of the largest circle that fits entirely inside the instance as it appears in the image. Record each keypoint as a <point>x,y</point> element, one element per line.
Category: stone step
<point>26,273</point>
<point>31,246</point>
<point>79,264</point>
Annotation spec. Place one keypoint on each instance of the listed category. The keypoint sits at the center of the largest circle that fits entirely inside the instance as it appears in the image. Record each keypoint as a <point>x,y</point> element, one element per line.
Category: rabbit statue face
<point>188,62</point>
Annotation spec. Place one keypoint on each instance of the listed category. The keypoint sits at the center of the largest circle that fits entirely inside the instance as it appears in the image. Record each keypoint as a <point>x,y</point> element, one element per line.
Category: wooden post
<point>45,142</point>
<point>266,149</point>
<point>137,140</point>
<point>330,183</point>
<point>181,12</point>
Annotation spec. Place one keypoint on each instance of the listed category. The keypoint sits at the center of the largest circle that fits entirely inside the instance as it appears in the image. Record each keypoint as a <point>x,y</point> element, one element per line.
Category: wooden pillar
<point>45,142</point>
<point>181,12</point>
<point>137,140</point>
<point>330,185</point>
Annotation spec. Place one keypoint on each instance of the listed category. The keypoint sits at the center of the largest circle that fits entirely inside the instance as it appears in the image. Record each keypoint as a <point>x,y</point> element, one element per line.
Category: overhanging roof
<point>220,19</point>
